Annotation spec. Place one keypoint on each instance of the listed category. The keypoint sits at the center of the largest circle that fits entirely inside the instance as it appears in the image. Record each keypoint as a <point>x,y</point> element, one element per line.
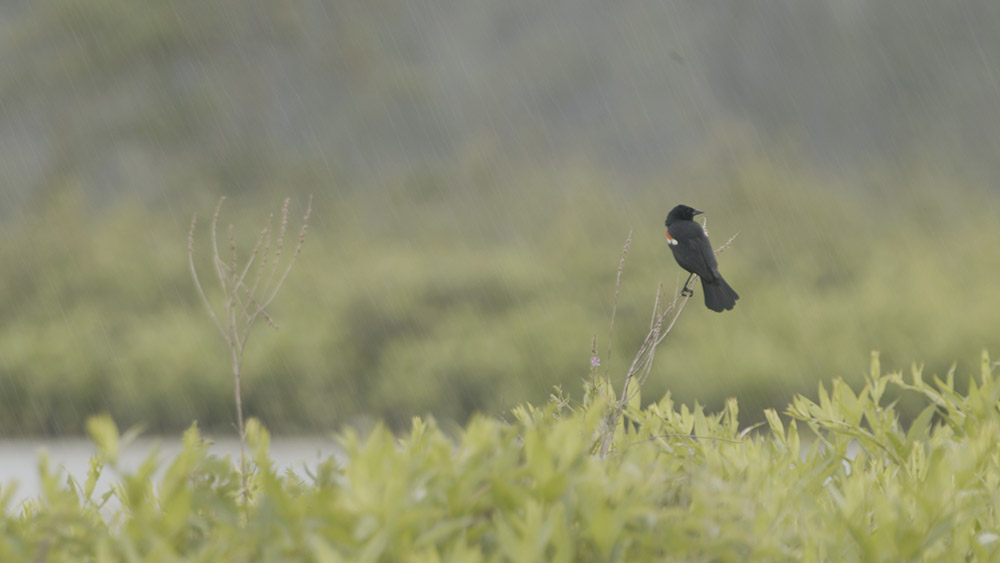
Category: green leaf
<point>104,432</point>
<point>919,426</point>
<point>774,421</point>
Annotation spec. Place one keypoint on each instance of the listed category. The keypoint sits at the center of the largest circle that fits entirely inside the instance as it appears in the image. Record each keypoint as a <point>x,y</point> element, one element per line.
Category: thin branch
<point>250,261</point>
<point>614,306</point>
<point>197,282</point>
<point>232,257</point>
<point>265,237</point>
<point>656,305</point>
<point>727,243</point>
<point>298,249</point>
<point>216,260</point>
<point>280,243</point>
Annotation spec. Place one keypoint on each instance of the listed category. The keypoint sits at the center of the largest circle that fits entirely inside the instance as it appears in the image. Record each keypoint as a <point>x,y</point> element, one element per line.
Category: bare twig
<point>243,304</point>
<point>216,261</point>
<point>197,283</point>
<point>298,249</point>
<point>727,243</point>
<point>614,306</point>
<point>264,240</point>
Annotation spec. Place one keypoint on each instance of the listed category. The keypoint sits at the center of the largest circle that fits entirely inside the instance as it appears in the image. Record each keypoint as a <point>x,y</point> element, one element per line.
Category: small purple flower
<point>595,362</point>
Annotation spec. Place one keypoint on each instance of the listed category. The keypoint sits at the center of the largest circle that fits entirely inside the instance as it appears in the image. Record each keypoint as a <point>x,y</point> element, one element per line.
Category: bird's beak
<point>697,212</point>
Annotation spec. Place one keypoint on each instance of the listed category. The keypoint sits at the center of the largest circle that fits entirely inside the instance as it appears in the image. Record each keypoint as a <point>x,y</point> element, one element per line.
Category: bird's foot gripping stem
<point>685,290</point>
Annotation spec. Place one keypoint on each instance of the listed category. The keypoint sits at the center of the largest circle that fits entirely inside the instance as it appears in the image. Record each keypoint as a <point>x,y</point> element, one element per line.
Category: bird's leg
<point>685,291</point>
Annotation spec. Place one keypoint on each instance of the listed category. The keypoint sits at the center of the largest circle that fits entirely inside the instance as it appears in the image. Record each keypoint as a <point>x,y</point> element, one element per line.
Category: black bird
<point>694,253</point>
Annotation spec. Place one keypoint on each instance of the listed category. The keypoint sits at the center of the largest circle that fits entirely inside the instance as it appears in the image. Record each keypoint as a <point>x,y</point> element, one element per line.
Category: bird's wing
<point>690,246</point>
<point>705,247</point>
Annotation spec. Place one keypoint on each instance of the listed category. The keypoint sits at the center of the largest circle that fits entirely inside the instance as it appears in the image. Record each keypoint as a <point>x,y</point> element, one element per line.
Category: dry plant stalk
<point>642,363</point>
<point>614,305</point>
<point>244,301</point>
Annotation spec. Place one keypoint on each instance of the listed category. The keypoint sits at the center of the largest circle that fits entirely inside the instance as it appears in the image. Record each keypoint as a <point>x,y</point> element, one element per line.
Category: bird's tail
<point>719,296</point>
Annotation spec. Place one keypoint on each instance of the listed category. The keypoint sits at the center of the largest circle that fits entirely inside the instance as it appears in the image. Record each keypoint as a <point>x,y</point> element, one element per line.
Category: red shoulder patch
<point>671,240</point>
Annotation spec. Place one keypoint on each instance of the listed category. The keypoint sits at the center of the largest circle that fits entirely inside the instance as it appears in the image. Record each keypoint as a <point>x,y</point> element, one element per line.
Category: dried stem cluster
<point>247,290</point>
<point>642,363</point>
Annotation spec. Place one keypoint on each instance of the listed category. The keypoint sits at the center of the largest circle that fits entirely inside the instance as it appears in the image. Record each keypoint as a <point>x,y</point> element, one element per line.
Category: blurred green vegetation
<point>418,300</point>
<point>473,191</point>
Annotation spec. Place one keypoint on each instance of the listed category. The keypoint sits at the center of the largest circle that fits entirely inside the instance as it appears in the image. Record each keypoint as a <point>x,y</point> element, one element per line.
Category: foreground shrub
<point>678,484</point>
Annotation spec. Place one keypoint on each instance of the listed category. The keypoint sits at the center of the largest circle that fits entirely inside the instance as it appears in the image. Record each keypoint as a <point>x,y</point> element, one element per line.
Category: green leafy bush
<point>679,484</point>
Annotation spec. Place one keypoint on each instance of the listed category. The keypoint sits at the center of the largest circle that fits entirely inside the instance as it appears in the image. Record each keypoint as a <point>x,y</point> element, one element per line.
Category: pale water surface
<point>19,458</point>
